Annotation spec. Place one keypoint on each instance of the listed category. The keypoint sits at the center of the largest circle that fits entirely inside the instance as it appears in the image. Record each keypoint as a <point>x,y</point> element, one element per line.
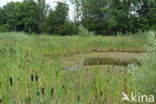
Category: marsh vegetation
<point>36,74</point>
<point>101,51</point>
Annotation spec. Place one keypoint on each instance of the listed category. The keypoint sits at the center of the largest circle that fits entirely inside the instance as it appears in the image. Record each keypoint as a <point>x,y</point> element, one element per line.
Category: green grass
<point>52,46</point>
<point>32,64</point>
<point>143,79</point>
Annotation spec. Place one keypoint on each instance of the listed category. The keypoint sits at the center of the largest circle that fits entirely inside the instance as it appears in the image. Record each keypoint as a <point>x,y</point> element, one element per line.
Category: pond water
<point>83,60</point>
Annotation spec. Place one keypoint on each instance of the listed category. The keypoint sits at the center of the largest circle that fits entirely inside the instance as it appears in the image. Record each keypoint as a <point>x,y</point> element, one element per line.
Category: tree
<point>20,16</point>
<point>26,16</point>
<point>105,17</point>
<point>112,16</point>
<point>42,10</point>
<point>2,17</point>
<point>147,13</point>
<point>61,12</point>
<point>57,21</point>
<point>77,4</point>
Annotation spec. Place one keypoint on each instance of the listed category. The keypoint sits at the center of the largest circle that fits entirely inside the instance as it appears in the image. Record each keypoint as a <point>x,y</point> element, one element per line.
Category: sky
<point>52,4</point>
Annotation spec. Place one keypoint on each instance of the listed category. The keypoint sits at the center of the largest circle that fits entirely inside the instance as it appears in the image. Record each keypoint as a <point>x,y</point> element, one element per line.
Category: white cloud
<point>52,3</point>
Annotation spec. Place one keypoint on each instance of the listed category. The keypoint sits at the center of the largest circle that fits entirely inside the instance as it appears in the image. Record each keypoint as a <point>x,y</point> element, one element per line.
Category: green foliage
<point>42,11</point>
<point>68,28</point>
<point>5,28</point>
<point>84,32</point>
<point>61,12</point>
<point>23,16</point>
<point>153,27</point>
<point>24,57</point>
<point>143,78</point>
<point>17,17</point>
<point>3,17</point>
<point>105,17</point>
<point>57,21</point>
<point>108,17</point>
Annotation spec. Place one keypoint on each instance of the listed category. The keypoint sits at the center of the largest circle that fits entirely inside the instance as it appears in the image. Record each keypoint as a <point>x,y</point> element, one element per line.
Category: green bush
<point>5,28</point>
<point>153,28</point>
<point>84,32</point>
<point>68,29</point>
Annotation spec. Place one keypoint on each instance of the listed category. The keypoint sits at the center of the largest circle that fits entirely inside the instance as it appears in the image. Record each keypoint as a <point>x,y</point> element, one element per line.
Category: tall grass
<point>52,46</point>
<point>143,78</point>
<point>31,73</point>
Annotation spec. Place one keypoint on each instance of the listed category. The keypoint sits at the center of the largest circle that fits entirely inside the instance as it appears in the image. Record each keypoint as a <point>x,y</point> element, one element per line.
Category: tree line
<point>106,17</point>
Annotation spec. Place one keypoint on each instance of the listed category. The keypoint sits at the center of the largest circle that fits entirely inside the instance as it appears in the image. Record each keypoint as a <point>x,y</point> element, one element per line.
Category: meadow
<point>32,68</point>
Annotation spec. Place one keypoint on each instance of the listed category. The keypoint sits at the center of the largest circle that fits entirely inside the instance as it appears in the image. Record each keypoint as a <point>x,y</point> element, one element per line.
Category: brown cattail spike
<point>78,98</point>
<point>0,100</point>
<point>52,91</point>
<point>32,77</point>
<point>11,81</point>
<point>100,93</point>
<point>43,91</point>
<point>36,78</point>
<point>107,80</point>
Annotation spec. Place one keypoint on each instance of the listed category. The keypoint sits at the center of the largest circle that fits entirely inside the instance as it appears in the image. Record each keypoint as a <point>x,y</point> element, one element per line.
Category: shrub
<point>68,29</point>
<point>5,28</point>
<point>153,28</point>
<point>84,32</point>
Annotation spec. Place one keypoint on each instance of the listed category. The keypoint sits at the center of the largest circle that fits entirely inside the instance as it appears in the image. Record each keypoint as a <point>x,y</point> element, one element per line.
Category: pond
<point>83,60</point>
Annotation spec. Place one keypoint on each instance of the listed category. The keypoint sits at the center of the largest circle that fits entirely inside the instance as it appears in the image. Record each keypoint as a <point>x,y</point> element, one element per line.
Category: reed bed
<point>31,72</point>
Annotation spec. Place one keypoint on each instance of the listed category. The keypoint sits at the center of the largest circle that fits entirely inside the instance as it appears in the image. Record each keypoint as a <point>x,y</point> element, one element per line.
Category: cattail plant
<point>100,93</point>
<point>18,79</point>
<point>78,98</point>
<point>36,78</point>
<point>63,87</point>
<point>11,81</point>
<point>32,77</point>
<point>0,100</point>
<point>52,91</point>
<point>43,91</point>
